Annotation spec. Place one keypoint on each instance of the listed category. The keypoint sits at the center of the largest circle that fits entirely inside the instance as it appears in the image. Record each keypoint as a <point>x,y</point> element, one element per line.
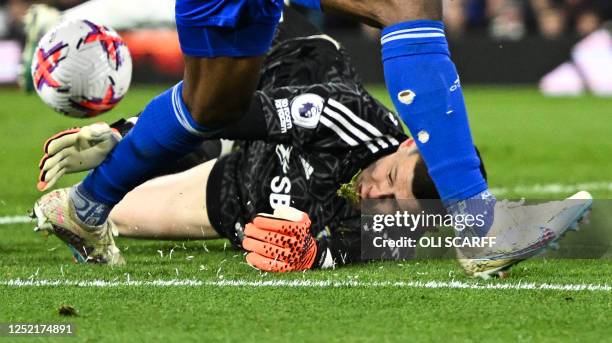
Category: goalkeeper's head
<point>401,175</point>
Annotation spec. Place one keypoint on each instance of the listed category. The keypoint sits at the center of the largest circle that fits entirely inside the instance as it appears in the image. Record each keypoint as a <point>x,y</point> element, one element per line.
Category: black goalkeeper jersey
<point>310,128</point>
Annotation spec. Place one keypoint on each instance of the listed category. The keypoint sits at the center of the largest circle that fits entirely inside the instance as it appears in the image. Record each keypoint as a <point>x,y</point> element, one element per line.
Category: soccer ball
<point>81,69</point>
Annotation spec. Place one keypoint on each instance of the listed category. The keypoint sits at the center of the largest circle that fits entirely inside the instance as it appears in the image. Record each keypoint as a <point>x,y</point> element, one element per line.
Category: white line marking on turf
<point>7,220</point>
<point>549,188</point>
<point>553,188</point>
<point>308,283</point>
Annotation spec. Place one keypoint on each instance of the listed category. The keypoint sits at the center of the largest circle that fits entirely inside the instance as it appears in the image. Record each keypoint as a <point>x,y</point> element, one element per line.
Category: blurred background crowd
<point>12,13</point>
<point>499,19</point>
<point>511,19</point>
<point>556,43</point>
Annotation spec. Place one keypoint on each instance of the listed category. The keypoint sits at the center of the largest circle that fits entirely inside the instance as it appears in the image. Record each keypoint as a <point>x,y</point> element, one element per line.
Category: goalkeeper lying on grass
<point>313,139</point>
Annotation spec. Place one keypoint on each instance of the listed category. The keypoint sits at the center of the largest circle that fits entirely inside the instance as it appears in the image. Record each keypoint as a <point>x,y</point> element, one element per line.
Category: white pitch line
<point>549,188</point>
<point>8,220</point>
<point>309,284</point>
<point>553,188</point>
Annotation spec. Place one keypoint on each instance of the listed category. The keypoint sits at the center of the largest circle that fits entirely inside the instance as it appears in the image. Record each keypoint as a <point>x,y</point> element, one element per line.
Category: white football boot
<point>523,231</point>
<point>55,214</point>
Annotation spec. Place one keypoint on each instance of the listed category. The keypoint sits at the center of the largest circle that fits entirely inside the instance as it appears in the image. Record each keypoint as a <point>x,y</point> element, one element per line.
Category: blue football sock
<point>88,209</point>
<point>165,131</point>
<point>426,91</point>
<point>482,209</point>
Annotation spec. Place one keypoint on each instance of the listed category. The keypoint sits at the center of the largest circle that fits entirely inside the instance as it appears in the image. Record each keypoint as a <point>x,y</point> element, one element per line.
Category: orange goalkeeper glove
<point>281,242</point>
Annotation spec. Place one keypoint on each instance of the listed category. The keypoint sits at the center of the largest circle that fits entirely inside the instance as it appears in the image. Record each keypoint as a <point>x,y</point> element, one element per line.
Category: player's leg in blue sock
<point>426,91</point>
<point>222,66</point>
<point>165,131</point>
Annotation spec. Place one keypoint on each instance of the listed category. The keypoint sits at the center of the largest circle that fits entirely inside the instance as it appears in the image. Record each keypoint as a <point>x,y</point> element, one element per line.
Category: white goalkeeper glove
<point>75,150</point>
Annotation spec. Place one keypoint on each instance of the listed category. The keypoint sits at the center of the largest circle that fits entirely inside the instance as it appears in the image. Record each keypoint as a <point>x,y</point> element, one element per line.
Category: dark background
<point>492,41</point>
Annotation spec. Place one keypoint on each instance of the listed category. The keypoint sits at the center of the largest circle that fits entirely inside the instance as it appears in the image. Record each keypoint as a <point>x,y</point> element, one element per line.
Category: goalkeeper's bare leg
<point>168,207</point>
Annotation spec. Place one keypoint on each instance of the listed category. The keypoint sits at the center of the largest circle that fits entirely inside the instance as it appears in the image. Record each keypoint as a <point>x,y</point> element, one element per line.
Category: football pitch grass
<point>171,291</point>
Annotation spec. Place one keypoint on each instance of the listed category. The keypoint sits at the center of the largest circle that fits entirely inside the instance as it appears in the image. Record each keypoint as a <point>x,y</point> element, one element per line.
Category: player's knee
<point>216,106</point>
<point>388,12</point>
<point>217,112</point>
<point>218,91</point>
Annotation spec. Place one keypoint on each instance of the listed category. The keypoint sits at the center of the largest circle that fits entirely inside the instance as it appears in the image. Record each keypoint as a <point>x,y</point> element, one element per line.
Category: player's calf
<point>218,91</point>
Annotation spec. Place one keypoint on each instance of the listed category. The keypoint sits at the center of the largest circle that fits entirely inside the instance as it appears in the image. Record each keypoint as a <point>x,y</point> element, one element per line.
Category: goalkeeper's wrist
<point>123,126</point>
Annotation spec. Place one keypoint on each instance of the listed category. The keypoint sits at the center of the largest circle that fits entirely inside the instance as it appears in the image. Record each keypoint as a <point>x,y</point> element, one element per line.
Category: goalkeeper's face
<point>390,176</point>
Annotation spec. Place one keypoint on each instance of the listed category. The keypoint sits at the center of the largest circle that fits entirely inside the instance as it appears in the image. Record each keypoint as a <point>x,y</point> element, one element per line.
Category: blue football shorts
<point>232,28</point>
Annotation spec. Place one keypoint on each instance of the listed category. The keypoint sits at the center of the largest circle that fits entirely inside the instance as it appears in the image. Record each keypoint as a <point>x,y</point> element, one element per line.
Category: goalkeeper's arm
<point>82,149</point>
